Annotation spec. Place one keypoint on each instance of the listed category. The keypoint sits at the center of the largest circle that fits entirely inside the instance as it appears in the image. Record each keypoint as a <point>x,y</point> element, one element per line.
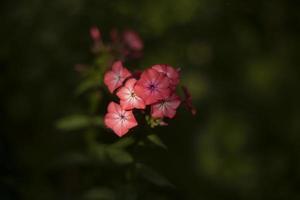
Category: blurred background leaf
<point>152,176</point>
<point>156,140</point>
<point>73,122</point>
<point>100,194</point>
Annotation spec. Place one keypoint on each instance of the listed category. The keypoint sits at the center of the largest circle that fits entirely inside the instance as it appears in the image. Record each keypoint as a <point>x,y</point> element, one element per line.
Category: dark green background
<point>239,58</point>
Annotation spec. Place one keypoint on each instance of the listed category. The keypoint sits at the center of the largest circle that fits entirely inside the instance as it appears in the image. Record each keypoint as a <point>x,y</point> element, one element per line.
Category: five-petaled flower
<point>118,119</point>
<point>152,86</point>
<point>114,78</point>
<point>128,97</point>
<point>166,107</point>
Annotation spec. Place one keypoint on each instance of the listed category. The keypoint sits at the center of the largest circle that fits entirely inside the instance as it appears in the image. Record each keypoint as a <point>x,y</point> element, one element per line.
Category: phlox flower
<point>95,33</point>
<point>132,40</point>
<point>127,43</point>
<point>128,98</point>
<point>152,86</point>
<point>168,71</point>
<point>119,120</point>
<point>166,107</point>
<point>115,77</point>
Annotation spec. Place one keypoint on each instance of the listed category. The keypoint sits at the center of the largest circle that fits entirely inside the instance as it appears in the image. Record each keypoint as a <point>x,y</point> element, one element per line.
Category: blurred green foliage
<point>239,58</point>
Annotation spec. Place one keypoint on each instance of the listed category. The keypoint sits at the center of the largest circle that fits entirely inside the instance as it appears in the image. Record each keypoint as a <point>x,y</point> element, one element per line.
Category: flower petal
<point>115,77</point>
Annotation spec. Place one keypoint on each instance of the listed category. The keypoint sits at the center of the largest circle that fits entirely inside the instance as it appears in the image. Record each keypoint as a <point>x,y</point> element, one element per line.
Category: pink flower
<point>132,40</point>
<point>188,100</point>
<point>152,86</point>
<point>119,120</point>
<point>170,72</point>
<point>128,98</point>
<point>95,33</point>
<point>115,77</point>
<point>166,107</point>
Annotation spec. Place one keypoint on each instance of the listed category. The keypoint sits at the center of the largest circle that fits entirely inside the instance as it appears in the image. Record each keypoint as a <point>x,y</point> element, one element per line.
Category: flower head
<point>128,98</point>
<point>166,107</point>
<point>152,86</point>
<point>115,77</point>
<point>170,72</point>
<point>119,120</point>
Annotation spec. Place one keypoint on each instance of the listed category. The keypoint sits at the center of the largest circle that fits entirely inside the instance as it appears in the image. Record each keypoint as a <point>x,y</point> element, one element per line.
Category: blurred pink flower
<point>128,44</point>
<point>95,33</point>
<point>132,40</point>
<point>119,120</point>
<point>115,77</point>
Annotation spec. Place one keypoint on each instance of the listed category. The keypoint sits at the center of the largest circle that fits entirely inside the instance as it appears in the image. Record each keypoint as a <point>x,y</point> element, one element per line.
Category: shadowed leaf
<point>123,142</point>
<point>86,85</point>
<point>98,121</point>
<point>152,176</point>
<point>119,156</point>
<point>72,159</point>
<point>100,194</point>
<point>157,141</point>
<point>73,122</point>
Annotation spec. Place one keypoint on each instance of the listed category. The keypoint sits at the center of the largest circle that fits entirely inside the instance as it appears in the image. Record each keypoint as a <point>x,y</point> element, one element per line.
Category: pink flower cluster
<point>154,87</point>
<point>127,44</point>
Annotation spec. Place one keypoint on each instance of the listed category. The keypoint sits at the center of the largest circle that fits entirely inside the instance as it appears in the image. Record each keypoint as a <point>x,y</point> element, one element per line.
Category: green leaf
<point>152,176</point>
<point>94,100</point>
<point>123,142</point>
<point>102,193</point>
<point>119,156</point>
<point>156,140</point>
<point>72,159</point>
<point>73,122</point>
<point>98,121</point>
<point>99,152</point>
<point>86,85</point>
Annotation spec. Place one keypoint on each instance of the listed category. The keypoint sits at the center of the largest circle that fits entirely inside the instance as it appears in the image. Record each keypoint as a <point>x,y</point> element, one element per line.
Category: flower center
<point>122,116</point>
<point>118,77</point>
<point>162,104</point>
<point>152,87</point>
<point>132,95</point>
